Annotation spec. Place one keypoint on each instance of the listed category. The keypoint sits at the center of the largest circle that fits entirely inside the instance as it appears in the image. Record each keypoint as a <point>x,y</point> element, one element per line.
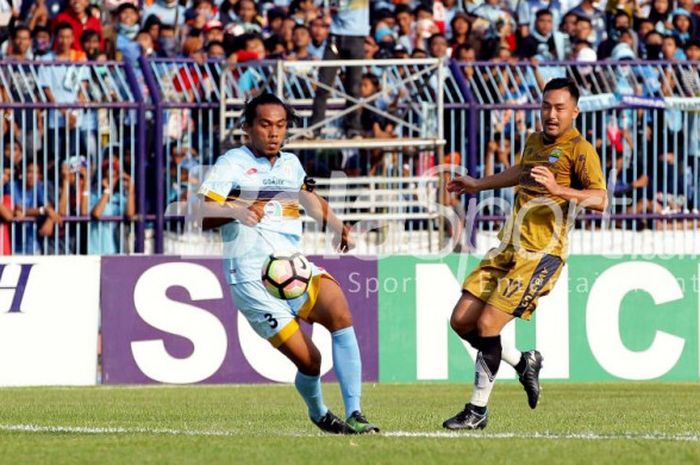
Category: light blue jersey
<point>240,175</point>
<point>351,18</point>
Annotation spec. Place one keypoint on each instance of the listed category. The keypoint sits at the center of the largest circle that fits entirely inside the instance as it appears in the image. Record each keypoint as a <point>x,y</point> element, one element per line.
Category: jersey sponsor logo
<point>251,171</point>
<point>273,181</point>
<point>273,210</point>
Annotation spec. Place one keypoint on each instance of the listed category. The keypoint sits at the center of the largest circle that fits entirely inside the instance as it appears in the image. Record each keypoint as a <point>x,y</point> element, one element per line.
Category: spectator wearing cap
<point>682,26</point>
<point>587,9</point>
<point>689,5</point>
<point>213,31</point>
<point>584,52</point>
<point>319,37</point>
<point>127,29</point>
<point>544,42</point>
<point>169,12</point>
<point>77,17</point>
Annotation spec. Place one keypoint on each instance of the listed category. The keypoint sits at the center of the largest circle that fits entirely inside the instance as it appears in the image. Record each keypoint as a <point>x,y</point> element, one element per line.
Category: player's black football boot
<point>467,419</point>
<point>332,424</point>
<point>530,376</point>
<point>359,423</point>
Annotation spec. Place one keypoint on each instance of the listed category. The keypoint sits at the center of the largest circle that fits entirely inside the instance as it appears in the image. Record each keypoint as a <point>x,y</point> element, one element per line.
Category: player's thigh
<point>532,276</point>
<point>270,318</point>
<point>330,308</point>
<point>466,313</point>
<point>492,320</point>
<point>303,353</point>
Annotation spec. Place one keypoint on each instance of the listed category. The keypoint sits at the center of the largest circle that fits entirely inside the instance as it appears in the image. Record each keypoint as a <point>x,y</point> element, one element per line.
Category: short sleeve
<point>299,172</point>
<point>220,179</point>
<point>587,168</point>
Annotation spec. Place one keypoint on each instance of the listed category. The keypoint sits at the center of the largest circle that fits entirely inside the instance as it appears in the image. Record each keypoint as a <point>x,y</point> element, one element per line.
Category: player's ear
<point>577,110</point>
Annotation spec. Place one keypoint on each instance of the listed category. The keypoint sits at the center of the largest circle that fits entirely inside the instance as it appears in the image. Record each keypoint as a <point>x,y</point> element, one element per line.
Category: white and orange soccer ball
<point>286,275</point>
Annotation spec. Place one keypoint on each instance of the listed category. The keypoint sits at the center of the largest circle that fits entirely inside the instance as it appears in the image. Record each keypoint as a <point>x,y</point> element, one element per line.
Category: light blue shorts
<point>272,318</point>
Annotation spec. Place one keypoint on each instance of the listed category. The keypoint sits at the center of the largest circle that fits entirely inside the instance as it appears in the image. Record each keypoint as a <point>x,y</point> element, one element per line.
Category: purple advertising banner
<point>172,320</point>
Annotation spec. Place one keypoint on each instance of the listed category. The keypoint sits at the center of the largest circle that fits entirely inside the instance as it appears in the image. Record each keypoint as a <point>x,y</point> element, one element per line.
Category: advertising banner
<point>172,320</point>
<point>606,319</point>
<point>49,309</point>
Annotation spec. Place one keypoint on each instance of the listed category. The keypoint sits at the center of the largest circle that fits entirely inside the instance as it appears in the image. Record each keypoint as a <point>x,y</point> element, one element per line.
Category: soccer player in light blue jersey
<point>254,194</point>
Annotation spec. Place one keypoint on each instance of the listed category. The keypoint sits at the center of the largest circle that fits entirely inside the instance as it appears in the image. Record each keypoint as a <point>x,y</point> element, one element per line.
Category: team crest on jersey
<point>554,156</point>
<point>251,171</point>
<point>273,210</point>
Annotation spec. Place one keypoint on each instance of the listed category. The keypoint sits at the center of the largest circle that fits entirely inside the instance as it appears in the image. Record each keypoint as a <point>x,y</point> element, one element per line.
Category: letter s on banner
<point>204,330</point>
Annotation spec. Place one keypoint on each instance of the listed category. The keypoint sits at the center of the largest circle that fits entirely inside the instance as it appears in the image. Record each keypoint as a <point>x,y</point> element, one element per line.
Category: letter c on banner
<point>603,321</point>
<point>204,330</point>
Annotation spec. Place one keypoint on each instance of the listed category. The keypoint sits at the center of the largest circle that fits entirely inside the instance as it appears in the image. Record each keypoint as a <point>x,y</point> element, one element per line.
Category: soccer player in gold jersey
<point>559,173</point>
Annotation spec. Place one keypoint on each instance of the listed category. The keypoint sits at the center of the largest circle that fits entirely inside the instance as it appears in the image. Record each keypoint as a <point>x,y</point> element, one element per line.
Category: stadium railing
<point>160,122</point>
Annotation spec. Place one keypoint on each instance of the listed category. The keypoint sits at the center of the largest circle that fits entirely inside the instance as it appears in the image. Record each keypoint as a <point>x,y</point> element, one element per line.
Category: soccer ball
<point>286,275</point>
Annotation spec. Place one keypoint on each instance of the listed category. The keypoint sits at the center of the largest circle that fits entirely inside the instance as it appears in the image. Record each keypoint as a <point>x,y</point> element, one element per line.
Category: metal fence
<point>108,159</point>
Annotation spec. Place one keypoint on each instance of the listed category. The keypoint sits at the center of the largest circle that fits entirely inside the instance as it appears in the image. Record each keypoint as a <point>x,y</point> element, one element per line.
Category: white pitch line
<point>587,436</point>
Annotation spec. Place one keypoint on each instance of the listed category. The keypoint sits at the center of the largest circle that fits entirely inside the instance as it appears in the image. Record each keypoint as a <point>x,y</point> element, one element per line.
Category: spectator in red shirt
<point>76,15</point>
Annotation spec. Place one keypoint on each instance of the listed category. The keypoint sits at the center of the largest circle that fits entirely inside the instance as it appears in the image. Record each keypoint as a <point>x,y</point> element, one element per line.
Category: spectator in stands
<point>689,6</point>
<point>41,41</point>
<point>652,44</point>
<point>152,26</point>
<point>227,13</point>
<point>169,12</point>
<point>544,43</point>
<point>568,24</point>
<point>127,29</point>
<point>660,14</point>
<point>73,200</point>
<point>7,208</point>
<point>77,17</point>
<point>302,39</point>
<point>28,192</point>
<point>286,33</point>
<point>319,36</point>
<point>116,199</point>
<point>405,27</point>
<point>246,21</point>
<point>527,10</point>
<point>584,31</point>
<point>437,46</point>
<point>145,41</point>
<point>213,31</point>
<point>671,49</point>
<point>167,42</point>
<point>682,26</point>
<point>64,84</point>
<point>275,18</point>
<point>39,14</point>
<point>622,23</point>
<point>19,47</point>
<point>349,28</point>
<point>587,9</point>
<point>303,11</point>
<point>216,51</point>
<point>90,41</point>
<point>461,28</point>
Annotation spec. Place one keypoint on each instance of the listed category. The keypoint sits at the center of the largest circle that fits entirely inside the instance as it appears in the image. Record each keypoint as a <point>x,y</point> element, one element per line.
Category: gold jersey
<point>540,221</point>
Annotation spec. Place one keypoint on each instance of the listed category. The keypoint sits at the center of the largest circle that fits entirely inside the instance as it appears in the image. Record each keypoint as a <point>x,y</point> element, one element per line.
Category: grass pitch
<point>613,423</point>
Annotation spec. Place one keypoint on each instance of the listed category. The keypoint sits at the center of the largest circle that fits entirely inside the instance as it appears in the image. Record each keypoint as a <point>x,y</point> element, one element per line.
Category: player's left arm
<point>586,168</point>
<point>318,208</point>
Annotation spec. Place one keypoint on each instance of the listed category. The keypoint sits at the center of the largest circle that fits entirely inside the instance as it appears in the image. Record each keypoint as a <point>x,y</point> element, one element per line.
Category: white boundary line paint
<point>585,436</point>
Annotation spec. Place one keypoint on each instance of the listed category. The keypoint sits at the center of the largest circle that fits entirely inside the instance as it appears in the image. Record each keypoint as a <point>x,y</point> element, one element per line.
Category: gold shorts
<point>512,281</point>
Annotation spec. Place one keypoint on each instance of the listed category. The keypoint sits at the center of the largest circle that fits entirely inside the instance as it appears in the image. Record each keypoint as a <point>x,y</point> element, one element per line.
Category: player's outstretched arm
<point>593,199</point>
<point>318,209</point>
<point>469,185</point>
<point>214,214</point>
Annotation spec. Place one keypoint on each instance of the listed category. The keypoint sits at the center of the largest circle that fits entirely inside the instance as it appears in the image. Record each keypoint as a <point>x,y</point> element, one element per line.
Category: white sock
<point>483,383</point>
<point>510,354</point>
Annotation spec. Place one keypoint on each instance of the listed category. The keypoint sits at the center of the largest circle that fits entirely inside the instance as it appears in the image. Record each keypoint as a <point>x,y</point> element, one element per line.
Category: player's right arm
<point>469,185</point>
<point>215,215</point>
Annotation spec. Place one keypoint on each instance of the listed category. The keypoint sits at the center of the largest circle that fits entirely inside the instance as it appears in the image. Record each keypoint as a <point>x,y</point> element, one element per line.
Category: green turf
<point>266,424</point>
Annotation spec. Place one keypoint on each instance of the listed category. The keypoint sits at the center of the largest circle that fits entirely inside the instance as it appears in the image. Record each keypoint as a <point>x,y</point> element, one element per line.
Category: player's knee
<point>486,327</point>
<point>311,366</point>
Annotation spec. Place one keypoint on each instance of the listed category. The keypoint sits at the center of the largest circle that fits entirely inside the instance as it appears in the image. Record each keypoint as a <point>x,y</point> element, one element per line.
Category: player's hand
<point>343,242</point>
<point>463,185</point>
<point>543,176</point>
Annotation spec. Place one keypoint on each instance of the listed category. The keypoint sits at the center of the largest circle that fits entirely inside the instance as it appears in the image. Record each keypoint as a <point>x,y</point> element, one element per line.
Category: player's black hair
<point>250,111</point>
<point>563,83</point>
<point>543,12</point>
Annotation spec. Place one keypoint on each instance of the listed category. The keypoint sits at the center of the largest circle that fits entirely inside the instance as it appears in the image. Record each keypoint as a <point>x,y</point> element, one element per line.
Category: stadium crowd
<point>240,31</point>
